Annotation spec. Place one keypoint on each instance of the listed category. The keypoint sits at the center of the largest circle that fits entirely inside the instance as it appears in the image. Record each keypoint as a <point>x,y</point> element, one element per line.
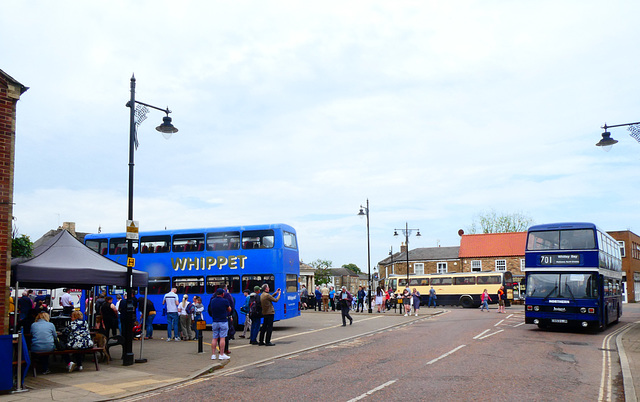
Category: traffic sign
<point>132,230</point>
<point>131,262</point>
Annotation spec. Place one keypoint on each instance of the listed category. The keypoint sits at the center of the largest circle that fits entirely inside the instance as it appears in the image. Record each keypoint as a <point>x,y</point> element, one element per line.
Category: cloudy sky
<point>298,112</point>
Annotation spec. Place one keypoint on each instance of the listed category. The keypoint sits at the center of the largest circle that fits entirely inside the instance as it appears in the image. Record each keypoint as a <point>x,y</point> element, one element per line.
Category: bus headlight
<point>536,321</point>
<point>583,310</point>
<point>585,324</point>
<point>536,308</point>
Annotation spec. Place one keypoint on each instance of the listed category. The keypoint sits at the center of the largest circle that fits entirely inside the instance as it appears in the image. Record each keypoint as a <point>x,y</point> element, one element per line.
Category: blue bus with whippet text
<point>198,261</point>
<point>573,274</point>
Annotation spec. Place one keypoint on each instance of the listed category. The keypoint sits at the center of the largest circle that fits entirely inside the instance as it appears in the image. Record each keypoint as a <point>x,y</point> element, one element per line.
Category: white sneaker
<point>213,357</point>
<point>71,366</point>
<point>224,357</point>
<point>80,368</point>
<point>405,315</point>
<point>168,339</point>
<point>416,314</point>
<point>178,339</point>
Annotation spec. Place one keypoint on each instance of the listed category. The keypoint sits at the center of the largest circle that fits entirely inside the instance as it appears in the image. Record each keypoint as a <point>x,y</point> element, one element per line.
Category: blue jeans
<point>172,322</point>
<point>485,304</point>
<point>255,329</point>
<point>149,324</point>
<point>432,299</point>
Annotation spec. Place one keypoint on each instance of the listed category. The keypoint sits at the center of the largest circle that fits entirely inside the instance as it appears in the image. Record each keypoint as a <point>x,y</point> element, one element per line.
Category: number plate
<point>559,321</point>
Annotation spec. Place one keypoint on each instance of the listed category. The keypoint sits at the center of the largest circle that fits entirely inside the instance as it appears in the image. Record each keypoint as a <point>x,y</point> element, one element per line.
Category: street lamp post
<point>364,211</point>
<point>166,128</point>
<point>607,142</point>
<point>407,232</point>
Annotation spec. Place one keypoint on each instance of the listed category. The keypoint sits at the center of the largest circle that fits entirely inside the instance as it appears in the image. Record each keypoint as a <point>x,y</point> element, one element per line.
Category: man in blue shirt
<point>171,301</point>
<point>219,309</point>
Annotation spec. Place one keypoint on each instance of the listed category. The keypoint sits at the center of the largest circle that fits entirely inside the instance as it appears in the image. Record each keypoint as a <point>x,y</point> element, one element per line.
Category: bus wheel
<point>466,301</point>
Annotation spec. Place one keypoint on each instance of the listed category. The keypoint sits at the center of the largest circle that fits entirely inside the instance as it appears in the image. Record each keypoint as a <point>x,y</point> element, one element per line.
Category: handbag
<point>164,311</point>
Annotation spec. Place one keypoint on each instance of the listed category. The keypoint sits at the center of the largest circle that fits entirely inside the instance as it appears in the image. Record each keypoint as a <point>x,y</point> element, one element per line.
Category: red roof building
<point>493,252</point>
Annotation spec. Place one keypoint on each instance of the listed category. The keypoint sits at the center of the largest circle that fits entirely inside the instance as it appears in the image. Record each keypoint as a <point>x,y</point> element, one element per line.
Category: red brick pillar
<point>10,91</point>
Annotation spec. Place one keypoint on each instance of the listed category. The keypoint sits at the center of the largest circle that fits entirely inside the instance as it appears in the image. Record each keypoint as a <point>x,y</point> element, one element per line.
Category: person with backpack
<point>185,311</point>
<point>255,313</point>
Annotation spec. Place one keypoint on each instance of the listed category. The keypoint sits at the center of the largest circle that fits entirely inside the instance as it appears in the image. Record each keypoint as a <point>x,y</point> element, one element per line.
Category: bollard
<point>200,325</point>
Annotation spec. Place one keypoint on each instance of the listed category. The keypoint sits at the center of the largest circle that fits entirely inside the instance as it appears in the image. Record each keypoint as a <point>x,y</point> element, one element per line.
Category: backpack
<point>190,309</point>
<point>255,307</point>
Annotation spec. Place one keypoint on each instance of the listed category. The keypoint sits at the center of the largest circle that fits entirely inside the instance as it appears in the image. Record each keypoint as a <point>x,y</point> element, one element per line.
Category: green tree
<point>493,222</point>
<point>322,271</point>
<point>21,246</point>
<point>352,267</point>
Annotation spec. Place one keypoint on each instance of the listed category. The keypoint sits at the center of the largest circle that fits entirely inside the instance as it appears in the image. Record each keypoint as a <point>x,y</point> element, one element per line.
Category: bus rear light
<point>285,308</point>
<point>529,308</point>
<point>592,310</point>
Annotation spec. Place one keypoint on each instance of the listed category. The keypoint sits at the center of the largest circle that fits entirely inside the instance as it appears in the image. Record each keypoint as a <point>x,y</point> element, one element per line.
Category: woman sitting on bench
<point>78,337</point>
<point>43,339</point>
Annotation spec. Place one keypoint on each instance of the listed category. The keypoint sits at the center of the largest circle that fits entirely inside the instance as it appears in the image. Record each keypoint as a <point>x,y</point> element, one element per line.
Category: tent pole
<point>144,327</point>
<point>15,331</point>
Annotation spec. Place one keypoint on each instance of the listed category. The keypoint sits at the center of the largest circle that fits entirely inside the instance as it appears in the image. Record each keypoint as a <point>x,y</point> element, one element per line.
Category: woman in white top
<point>379,298</point>
<point>185,316</point>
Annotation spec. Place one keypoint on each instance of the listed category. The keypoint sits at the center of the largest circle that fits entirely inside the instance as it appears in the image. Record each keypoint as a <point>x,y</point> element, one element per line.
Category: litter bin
<point>6,362</point>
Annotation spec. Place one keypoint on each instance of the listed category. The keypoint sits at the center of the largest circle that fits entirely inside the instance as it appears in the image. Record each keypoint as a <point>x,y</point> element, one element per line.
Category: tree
<point>492,222</point>
<point>322,271</point>
<point>21,246</point>
<point>352,267</point>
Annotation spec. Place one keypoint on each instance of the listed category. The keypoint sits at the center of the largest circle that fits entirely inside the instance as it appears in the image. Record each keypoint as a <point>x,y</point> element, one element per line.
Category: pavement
<point>172,363</point>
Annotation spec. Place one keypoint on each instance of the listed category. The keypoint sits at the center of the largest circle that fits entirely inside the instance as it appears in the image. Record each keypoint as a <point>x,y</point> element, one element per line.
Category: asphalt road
<point>460,354</point>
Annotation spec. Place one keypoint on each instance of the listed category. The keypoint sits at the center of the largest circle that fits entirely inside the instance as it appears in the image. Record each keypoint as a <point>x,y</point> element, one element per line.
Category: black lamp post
<point>166,128</point>
<point>364,211</point>
<point>607,142</point>
<point>407,232</point>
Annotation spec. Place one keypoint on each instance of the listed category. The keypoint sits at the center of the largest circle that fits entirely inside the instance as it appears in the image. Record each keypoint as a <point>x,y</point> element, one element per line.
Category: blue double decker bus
<point>198,261</point>
<point>573,273</point>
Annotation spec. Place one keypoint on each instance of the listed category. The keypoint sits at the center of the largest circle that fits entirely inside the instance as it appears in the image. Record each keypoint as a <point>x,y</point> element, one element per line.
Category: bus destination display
<point>560,259</point>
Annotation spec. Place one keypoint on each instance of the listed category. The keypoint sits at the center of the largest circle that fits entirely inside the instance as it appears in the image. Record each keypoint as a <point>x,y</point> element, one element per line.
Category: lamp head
<point>606,142</point>
<point>166,128</point>
<point>361,213</point>
<point>395,233</point>
<point>418,234</point>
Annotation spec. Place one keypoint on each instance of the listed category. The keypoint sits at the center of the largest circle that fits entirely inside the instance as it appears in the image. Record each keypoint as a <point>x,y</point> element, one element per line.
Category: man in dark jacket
<point>345,299</point>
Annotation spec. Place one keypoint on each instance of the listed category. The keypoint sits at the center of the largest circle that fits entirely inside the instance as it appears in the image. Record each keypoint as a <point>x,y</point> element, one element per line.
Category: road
<point>458,354</point>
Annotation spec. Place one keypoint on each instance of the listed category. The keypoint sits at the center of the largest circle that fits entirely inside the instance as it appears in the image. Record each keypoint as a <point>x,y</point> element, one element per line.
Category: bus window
<point>489,280</point>
<point>441,281</point>
<point>223,241</point>
<point>189,284</point>
<point>418,282</point>
<point>548,240</point>
<point>155,244</point>
<point>188,242</point>
<point>292,283</point>
<point>232,281</point>
<point>582,239</point>
<point>250,281</point>
<point>159,285</point>
<point>98,245</point>
<point>290,240</point>
<point>464,280</point>
<point>252,239</point>
<point>402,283</point>
<point>119,246</point>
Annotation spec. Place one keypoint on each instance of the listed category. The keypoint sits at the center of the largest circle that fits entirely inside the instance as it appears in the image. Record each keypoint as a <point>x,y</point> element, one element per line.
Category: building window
<point>635,251</point>
<point>622,254</point>
<point>522,264</point>
<point>442,267</point>
<point>476,265</point>
<point>501,265</point>
<point>418,268</point>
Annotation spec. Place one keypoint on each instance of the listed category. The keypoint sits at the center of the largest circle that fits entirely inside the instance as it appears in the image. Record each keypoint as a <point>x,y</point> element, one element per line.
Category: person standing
<point>485,298</point>
<point>325,298</point>
<point>416,301</point>
<point>332,298</point>
<point>432,297</point>
<point>501,298</point>
<point>304,297</point>
<point>198,309</point>
<point>231,330</point>
<point>109,316</point>
<point>379,299</point>
<point>218,309</point>
<point>407,299</point>
<point>25,305</point>
<point>66,302</point>
<point>185,313</point>
<point>255,313</point>
<point>171,301</point>
<point>268,314</point>
<point>318,294</point>
<point>148,320</point>
<point>245,310</point>
<point>360,304</point>
<point>345,299</point>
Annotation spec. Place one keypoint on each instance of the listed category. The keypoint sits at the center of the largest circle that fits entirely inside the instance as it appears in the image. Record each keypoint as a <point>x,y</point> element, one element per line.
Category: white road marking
<point>497,332</point>
<point>517,325</point>
<point>378,388</point>
<point>509,316</point>
<point>446,354</point>
<point>481,333</point>
<point>499,322</point>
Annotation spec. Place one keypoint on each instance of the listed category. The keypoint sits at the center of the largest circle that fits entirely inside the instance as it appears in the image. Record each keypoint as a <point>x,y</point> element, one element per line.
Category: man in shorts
<point>219,308</point>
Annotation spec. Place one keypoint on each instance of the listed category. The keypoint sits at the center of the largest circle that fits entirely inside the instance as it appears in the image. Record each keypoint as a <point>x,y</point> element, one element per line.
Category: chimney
<point>70,227</point>
<point>403,248</point>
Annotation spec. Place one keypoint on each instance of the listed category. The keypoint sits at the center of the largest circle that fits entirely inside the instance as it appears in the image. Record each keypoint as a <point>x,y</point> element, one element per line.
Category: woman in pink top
<point>485,300</point>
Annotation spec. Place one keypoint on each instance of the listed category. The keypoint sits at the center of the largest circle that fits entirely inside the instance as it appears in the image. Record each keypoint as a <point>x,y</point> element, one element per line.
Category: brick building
<point>426,260</point>
<point>630,248</point>
<point>10,92</point>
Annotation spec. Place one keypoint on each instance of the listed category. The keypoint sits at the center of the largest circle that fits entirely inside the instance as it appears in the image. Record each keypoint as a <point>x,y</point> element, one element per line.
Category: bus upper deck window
<point>252,239</point>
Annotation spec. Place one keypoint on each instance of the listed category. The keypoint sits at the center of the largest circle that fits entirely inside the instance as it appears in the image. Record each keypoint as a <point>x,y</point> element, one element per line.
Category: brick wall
<point>10,92</point>
<point>489,264</point>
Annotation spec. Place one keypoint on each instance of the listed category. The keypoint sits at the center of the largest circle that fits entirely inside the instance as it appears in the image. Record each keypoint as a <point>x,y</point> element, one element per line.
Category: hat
<point>256,288</point>
<point>219,291</point>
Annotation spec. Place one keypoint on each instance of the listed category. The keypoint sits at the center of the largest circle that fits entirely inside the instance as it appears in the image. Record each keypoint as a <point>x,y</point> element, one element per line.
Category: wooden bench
<point>89,351</point>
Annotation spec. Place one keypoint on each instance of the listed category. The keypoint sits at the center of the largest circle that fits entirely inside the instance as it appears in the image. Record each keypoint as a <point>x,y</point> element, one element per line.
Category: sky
<point>299,112</point>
